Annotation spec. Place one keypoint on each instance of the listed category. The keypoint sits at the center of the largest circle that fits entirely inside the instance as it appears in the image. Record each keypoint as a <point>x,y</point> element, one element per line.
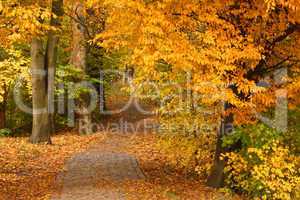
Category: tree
<point>40,123</point>
<point>78,59</point>
<point>51,58</point>
<point>24,22</point>
<point>275,56</point>
<point>43,71</point>
<point>232,45</point>
<point>95,24</point>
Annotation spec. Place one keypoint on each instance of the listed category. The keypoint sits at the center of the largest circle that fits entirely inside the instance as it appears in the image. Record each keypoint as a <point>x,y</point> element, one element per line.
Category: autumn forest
<point>149,99</point>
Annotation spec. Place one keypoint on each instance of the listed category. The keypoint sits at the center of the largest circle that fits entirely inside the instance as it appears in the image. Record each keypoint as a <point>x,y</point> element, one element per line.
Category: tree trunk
<point>128,75</point>
<point>216,178</point>
<point>43,76</point>
<point>2,117</point>
<point>51,60</point>
<point>102,92</point>
<point>78,59</point>
<point>40,122</point>
<point>3,108</point>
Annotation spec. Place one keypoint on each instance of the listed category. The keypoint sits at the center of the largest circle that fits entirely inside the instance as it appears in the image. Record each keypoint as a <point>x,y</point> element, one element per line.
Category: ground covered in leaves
<point>29,171</point>
<point>164,181</point>
<point>160,180</point>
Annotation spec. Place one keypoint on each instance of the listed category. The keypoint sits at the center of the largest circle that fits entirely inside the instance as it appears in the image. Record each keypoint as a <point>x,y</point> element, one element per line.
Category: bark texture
<point>216,177</point>
<point>51,60</point>
<point>102,92</point>
<point>43,84</point>
<point>78,59</point>
<point>2,119</point>
<point>40,122</point>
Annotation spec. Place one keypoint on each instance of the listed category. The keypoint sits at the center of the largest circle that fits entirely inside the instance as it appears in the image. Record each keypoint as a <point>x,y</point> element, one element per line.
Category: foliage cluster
<point>14,82</point>
<point>189,139</point>
<point>14,66</point>
<point>265,167</point>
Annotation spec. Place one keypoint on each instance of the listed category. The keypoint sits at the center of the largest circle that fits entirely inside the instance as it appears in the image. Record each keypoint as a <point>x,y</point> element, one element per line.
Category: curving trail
<point>102,163</point>
<point>128,166</point>
<point>98,173</point>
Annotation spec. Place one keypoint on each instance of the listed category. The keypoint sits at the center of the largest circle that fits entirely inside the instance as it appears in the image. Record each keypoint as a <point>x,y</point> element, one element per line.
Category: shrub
<point>189,141</point>
<point>265,168</point>
<point>5,132</point>
<point>189,153</point>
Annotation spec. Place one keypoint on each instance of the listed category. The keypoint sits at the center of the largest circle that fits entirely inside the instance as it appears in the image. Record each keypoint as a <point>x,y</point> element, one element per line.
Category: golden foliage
<point>14,68</point>
<point>270,172</point>
<point>221,43</point>
<point>22,20</point>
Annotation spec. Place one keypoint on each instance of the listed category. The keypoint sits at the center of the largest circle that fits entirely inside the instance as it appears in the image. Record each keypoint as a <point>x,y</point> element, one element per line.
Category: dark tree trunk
<point>2,117</point>
<point>78,59</point>
<point>102,92</point>
<point>51,59</point>
<point>216,178</point>
<point>51,56</point>
<point>40,122</point>
<point>3,109</point>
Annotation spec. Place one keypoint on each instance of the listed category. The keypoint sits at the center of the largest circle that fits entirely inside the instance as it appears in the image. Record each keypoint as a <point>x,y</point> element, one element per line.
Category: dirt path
<point>102,163</point>
<point>127,165</point>
<point>98,173</point>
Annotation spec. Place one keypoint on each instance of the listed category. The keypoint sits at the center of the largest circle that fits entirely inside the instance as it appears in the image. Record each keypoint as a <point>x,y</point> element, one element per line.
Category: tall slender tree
<point>51,58</point>
<point>78,60</point>
<point>43,71</point>
<point>40,123</point>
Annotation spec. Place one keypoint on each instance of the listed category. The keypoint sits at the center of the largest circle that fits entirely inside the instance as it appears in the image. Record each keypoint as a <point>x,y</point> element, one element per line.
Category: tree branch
<point>77,19</point>
<point>290,30</point>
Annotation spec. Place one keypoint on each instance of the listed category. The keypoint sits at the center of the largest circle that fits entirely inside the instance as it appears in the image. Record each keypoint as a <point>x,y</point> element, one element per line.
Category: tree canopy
<point>215,71</point>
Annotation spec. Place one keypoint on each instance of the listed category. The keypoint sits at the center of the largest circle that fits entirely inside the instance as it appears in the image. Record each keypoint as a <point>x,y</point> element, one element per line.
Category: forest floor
<point>127,164</point>
<point>122,161</point>
<point>28,172</point>
<point>129,167</point>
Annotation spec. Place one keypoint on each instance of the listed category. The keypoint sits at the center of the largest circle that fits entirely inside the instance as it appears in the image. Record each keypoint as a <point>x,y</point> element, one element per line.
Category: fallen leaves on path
<point>163,181</point>
<point>29,171</point>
